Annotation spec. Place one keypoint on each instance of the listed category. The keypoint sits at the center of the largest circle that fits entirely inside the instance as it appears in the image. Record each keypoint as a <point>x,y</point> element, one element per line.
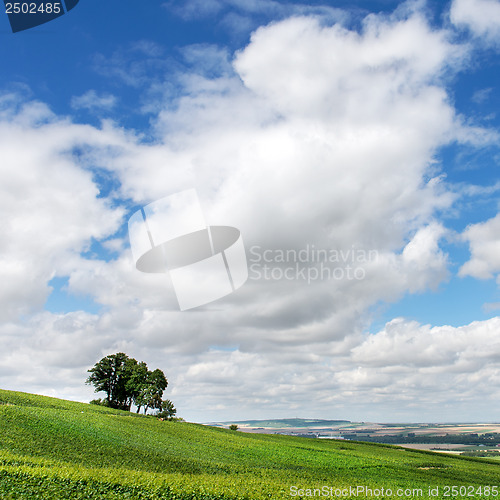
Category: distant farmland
<point>457,438</point>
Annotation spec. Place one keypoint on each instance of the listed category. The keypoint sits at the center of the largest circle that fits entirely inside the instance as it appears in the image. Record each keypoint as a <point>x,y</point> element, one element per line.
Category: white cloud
<point>481,95</point>
<point>50,206</point>
<point>482,17</point>
<point>423,254</point>
<point>133,64</point>
<point>237,14</point>
<point>406,371</point>
<point>484,243</point>
<point>92,101</point>
<point>388,64</point>
<point>194,9</point>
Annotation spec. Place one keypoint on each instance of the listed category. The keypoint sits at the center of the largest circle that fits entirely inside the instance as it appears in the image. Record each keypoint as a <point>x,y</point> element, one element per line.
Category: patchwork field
<point>328,428</point>
<point>55,449</point>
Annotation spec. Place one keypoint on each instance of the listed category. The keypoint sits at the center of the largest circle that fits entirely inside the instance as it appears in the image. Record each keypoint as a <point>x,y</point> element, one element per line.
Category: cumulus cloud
<point>406,370</point>
<point>481,17</point>
<point>484,244</point>
<point>338,159</point>
<point>51,207</point>
<point>402,366</point>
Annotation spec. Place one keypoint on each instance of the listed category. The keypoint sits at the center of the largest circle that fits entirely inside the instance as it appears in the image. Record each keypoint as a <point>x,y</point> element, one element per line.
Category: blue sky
<point>371,124</point>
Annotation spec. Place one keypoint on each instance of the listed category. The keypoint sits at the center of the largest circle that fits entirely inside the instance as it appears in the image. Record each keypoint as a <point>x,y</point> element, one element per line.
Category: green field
<point>55,449</point>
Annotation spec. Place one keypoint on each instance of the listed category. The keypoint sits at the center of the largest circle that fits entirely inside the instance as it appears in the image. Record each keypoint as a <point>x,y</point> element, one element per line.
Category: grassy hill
<point>55,449</point>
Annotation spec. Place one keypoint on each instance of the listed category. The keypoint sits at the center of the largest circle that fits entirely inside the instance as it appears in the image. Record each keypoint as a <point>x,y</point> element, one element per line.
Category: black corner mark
<point>26,14</point>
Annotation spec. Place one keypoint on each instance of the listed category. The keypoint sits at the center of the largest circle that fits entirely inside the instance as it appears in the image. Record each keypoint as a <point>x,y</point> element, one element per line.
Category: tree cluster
<point>127,381</point>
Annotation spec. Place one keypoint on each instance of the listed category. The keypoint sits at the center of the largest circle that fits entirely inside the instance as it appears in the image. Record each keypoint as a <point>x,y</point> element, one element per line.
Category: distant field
<point>327,428</point>
<point>55,449</point>
<point>345,426</point>
<point>450,438</point>
<point>287,423</point>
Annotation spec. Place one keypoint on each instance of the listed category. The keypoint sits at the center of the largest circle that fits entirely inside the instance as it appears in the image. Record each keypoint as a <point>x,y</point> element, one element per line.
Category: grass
<point>55,449</point>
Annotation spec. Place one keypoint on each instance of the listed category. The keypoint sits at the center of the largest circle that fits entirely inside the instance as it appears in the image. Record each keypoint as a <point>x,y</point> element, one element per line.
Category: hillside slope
<point>51,448</point>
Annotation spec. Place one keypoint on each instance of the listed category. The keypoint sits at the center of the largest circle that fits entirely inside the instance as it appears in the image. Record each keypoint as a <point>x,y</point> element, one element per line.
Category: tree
<point>99,402</point>
<point>110,375</point>
<point>136,384</point>
<point>150,390</point>
<point>126,381</point>
<point>166,409</point>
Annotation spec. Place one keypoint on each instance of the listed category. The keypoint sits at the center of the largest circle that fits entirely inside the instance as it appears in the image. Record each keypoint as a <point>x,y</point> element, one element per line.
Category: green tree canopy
<point>126,381</point>
<point>150,390</point>
<point>166,409</point>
